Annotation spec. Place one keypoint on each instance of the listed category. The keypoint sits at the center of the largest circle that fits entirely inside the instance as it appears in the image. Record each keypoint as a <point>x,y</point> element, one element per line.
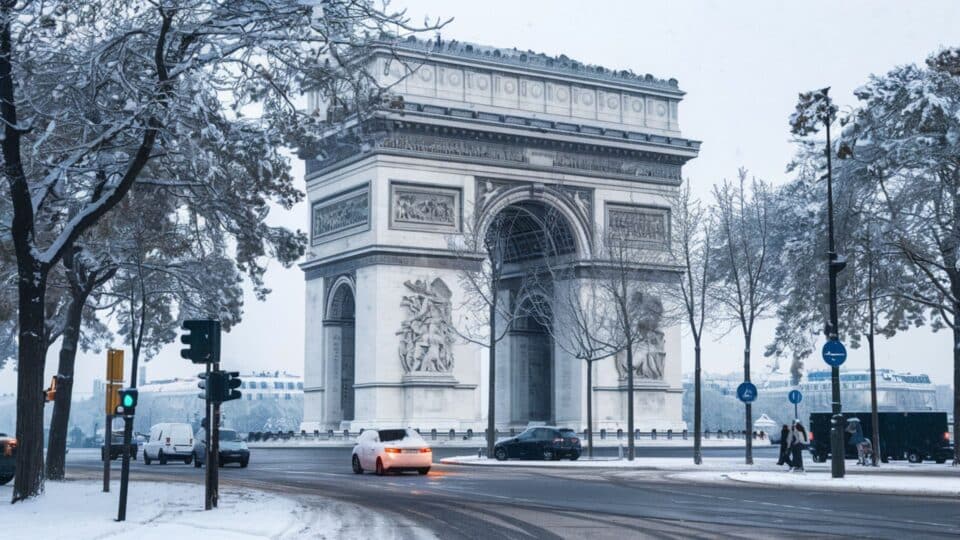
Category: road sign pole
<point>105,454</point>
<point>796,415</point>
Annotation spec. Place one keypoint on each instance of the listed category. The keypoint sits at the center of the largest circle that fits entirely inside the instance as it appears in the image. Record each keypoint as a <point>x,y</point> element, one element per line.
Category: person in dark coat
<point>797,441</point>
<point>784,453</point>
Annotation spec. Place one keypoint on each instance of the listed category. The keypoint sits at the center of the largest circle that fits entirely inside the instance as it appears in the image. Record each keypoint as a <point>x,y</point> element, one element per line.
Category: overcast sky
<point>741,64</point>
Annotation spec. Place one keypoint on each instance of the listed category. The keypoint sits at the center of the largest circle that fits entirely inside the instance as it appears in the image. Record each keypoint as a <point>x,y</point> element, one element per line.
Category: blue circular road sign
<point>834,353</point>
<point>795,396</point>
<point>746,392</point>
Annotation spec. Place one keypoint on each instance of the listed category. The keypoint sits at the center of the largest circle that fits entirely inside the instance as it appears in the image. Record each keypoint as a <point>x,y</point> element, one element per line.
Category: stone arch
<point>532,362</point>
<point>340,333</point>
<point>575,217</point>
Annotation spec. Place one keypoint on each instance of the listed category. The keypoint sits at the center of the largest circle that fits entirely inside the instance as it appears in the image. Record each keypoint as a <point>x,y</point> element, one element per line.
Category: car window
<point>568,433</point>
<point>543,434</point>
<point>413,435</point>
<point>229,435</point>
<point>527,435</point>
<point>387,435</point>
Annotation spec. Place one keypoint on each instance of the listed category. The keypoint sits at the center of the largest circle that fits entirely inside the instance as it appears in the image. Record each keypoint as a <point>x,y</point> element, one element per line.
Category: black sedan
<point>539,443</point>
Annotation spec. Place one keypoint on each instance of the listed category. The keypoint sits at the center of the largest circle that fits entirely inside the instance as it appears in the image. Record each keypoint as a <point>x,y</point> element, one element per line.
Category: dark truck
<point>914,436</point>
<point>8,456</point>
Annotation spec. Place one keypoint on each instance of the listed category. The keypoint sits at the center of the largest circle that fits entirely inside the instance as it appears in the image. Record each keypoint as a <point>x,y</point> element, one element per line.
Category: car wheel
<point>196,462</point>
<point>188,460</point>
<point>380,470</point>
<point>161,458</point>
<point>500,454</point>
<point>243,463</point>
<point>914,457</point>
<point>423,470</point>
<point>548,455</point>
<point>133,455</point>
<point>5,478</point>
<point>574,456</point>
<point>357,469</point>
<point>146,458</point>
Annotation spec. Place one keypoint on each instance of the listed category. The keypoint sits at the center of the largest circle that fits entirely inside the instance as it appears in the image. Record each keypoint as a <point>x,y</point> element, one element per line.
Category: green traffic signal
<point>128,401</point>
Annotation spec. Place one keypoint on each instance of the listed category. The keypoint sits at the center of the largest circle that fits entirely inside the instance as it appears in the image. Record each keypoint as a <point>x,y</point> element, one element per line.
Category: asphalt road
<point>478,502</point>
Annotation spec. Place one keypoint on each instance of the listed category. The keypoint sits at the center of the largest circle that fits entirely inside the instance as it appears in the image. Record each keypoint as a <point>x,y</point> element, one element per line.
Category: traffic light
<point>231,381</point>
<point>202,338</point>
<point>212,385</point>
<point>128,401</point>
<point>50,394</point>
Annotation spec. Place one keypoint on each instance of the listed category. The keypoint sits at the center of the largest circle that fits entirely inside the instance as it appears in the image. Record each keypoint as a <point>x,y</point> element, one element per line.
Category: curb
<point>540,465</point>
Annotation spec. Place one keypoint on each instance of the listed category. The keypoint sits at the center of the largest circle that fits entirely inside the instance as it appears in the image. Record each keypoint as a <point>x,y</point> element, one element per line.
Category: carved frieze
<point>426,334</point>
<point>419,207</point>
<point>474,149</point>
<point>643,224</point>
<point>341,214</point>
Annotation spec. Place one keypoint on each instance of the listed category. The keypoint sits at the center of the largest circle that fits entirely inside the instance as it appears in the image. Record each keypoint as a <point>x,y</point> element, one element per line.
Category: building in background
<point>896,391</point>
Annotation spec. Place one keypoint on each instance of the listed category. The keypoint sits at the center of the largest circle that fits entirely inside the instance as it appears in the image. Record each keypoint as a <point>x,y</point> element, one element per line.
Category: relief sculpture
<point>426,207</point>
<point>649,358</point>
<point>426,335</point>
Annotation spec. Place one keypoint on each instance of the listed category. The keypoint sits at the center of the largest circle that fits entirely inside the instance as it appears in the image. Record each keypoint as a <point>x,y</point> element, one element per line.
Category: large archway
<point>340,319</point>
<point>532,241</point>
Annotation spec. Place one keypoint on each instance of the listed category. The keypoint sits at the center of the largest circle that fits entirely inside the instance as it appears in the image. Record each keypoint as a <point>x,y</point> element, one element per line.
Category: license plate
<point>411,451</point>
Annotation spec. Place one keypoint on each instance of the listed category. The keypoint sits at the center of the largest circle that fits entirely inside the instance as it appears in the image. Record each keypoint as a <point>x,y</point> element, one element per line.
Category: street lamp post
<point>815,107</point>
<point>834,265</point>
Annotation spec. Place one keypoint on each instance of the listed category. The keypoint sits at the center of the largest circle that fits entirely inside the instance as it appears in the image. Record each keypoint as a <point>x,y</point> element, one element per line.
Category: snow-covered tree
<point>92,92</point>
<point>906,131</point>
<point>692,243</point>
<point>745,263</point>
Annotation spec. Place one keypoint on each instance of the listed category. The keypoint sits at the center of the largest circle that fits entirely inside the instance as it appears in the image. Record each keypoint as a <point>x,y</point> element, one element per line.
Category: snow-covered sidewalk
<point>155,510</point>
<point>872,482</point>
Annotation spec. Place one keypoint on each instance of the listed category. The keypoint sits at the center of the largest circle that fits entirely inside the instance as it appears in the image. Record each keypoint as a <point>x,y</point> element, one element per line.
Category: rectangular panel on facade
<point>642,224</point>
<point>341,214</point>
<point>424,208</point>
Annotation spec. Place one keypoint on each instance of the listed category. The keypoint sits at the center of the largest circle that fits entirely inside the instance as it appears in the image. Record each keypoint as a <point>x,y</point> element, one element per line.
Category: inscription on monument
<point>424,208</point>
<point>639,223</point>
<point>342,214</point>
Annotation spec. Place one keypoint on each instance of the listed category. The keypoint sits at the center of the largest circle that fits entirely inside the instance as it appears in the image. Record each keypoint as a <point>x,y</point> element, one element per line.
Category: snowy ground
<point>899,484</point>
<point>79,510</point>
<point>894,478</point>
<point>676,442</point>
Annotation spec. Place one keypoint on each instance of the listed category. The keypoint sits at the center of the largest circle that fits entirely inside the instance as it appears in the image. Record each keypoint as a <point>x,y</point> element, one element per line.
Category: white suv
<point>169,441</point>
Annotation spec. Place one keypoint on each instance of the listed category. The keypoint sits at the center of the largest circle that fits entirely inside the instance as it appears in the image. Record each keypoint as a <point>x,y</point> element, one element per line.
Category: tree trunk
<point>630,442</point>
<point>748,409</point>
<point>871,330</point>
<point>956,387</point>
<point>697,418</point>
<point>59,422</point>
<point>28,480</point>
<point>491,384</point>
<point>590,409</point>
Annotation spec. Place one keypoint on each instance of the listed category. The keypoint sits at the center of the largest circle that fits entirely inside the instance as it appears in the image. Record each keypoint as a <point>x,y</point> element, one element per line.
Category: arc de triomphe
<point>468,133</point>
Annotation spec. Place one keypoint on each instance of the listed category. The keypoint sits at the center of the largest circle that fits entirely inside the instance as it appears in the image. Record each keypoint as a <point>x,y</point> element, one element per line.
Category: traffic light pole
<point>125,469</point>
<point>214,463</point>
<point>208,444</point>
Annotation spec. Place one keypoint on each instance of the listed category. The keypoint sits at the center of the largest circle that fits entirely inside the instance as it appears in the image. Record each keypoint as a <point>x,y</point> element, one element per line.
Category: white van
<point>169,441</point>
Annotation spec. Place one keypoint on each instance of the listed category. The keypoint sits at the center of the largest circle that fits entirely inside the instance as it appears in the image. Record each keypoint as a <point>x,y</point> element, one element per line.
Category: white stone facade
<point>474,133</point>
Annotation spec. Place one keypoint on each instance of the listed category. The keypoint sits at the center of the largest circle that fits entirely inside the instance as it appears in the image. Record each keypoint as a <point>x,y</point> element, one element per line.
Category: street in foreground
<point>527,502</point>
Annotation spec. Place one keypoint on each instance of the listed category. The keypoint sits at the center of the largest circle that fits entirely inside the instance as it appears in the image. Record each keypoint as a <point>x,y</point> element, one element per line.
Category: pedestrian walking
<point>864,447</point>
<point>797,442</point>
<point>784,449</point>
